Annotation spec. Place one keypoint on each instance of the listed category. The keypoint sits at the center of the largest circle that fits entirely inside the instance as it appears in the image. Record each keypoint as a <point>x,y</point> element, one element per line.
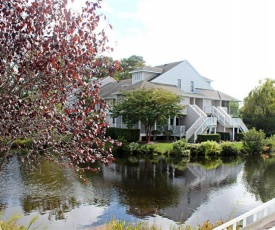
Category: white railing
<point>256,214</point>
<point>199,111</point>
<point>209,121</point>
<point>219,115</point>
<point>178,130</point>
<point>238,122</point>
<point>193,128</point>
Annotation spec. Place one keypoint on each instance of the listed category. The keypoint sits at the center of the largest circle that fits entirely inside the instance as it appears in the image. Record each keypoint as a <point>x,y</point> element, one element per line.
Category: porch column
<point>174,121</point>
<point>168,123</point>
<point>233,134</point>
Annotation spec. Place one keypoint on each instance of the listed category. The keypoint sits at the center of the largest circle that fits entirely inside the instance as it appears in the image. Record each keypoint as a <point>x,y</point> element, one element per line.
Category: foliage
<point>47,92</point>
<point>123,148</point>
<point>149,106</point>
<point>229,148</point>
<point>123,225</point>
<point>261,100</point>
<point>260,123</point>
<point>180,148</point>
<point>253,141</point>
<point>133,146</point>
<point>130,135</point>
<point>146,149</point>
<point>259,107</point>
<point>209,148</point>
<point>208,137</point>
<point>11,223</point>
<point>234,109</point>
<point>239,136</point>
<point>127,65</point>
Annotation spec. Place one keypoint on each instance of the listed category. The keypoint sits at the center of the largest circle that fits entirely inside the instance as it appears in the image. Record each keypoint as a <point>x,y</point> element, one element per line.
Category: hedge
<point>130,135</point>
<point>224,136</point>
<point>209,137</point>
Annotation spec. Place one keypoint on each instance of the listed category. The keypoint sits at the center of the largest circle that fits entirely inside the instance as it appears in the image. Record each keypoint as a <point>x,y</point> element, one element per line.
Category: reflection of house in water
<point>147,188</point>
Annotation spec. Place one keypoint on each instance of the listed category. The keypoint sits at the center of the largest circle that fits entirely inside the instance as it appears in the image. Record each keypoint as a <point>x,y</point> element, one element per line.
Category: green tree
<point>149,106</point>
<point>129,64</point>
<point>261,100</point>
<point>254,141</point>
<point>259,107</point>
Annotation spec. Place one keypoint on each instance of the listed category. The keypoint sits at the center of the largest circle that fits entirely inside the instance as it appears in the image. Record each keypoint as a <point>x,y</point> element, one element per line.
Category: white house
<point>207,110</point>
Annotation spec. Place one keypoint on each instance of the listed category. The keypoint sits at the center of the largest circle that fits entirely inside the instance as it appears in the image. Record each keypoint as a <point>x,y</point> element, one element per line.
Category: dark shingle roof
<point>114,87</point>
<point>214,94</point>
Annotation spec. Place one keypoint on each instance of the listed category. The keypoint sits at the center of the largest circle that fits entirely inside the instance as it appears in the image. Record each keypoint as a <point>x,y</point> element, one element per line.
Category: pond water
<point>163,191</point>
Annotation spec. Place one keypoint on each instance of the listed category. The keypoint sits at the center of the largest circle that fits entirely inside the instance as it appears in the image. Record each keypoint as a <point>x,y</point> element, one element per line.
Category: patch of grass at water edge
<point>162,147</point>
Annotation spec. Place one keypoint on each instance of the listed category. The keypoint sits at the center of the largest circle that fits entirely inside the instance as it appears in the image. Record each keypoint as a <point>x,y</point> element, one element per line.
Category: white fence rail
<point>255,214</point>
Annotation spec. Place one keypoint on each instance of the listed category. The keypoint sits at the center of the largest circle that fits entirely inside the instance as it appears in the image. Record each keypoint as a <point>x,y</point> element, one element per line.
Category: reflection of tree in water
<point>57,206</point>
<point>55,190</point>
<point>259,177</point>
<point>146,188</point>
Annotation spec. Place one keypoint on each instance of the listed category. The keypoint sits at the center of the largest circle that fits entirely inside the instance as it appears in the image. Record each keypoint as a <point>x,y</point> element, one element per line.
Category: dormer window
<point>137,76</point>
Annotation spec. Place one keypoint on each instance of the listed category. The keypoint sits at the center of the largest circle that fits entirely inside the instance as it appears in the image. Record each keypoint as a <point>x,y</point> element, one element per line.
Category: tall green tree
<point>149,106</point>
<point>129,64</point>
<point>259,107</point>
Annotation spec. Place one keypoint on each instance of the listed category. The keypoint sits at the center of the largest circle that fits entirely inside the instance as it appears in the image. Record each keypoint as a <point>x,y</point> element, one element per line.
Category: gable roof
<point>169,66</point>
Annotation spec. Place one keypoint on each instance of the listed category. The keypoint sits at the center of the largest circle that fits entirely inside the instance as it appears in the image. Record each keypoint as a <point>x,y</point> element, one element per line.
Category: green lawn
<point>161,147</point>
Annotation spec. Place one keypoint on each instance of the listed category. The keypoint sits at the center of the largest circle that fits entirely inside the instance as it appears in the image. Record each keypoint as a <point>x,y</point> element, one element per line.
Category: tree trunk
<point>148,134</point>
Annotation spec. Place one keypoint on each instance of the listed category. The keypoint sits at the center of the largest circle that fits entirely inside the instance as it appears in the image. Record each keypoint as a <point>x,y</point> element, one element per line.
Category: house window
<point>192,86</point>
<point>114,120</point>
<point>179,83</point>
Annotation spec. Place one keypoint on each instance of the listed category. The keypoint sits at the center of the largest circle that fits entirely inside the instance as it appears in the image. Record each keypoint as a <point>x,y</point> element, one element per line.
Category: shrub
<point>268,144</point>
<point>133,146</point>
<point>131,135</point>
<point>208,137</point>
<point>229,148</point>
<point>254,141</point>
<point>146,149</point>
<point>209,148</point>
<point>124,148</point>
<point>194,149</point>
<point>180,149</point>
<point>239,136</point>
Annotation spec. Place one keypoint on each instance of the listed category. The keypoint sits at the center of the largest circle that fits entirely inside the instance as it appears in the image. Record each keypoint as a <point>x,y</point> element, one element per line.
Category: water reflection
<point>136,188</point>
<point>259,177</point>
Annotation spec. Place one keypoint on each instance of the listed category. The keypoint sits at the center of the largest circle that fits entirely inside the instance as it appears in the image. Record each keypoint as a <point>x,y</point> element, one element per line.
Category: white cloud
<point>230,42</point>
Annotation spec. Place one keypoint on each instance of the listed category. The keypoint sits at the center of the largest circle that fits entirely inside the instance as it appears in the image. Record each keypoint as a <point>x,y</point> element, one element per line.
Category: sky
<point>231,42</point>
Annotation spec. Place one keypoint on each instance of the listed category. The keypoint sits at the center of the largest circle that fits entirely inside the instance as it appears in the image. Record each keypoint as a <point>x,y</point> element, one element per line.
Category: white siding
<point>186,73</point>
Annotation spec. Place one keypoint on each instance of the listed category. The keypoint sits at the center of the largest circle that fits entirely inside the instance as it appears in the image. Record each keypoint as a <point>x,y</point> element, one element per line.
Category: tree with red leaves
<point>48,63</point>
